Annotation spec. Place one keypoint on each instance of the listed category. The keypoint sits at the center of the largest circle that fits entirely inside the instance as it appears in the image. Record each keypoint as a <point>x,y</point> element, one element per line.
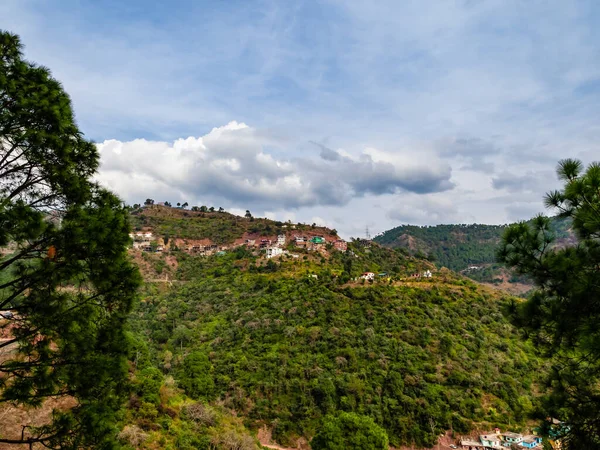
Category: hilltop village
<point>271,246</point>
<point>162,228</point>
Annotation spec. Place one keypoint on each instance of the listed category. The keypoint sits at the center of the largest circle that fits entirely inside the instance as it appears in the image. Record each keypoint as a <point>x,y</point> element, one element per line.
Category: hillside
<point>218,227</point>
<point>283,342</point>
<point>470,249</point>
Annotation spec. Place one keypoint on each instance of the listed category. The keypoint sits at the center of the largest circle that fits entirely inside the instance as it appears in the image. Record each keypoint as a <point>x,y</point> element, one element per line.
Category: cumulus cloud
<point>230,164</point>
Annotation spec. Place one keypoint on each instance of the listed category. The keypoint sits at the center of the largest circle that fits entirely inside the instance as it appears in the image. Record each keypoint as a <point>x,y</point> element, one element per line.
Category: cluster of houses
<point>426,274</point>
<point>372,275</point>
<point>497,439</point>
<point>146,241</point>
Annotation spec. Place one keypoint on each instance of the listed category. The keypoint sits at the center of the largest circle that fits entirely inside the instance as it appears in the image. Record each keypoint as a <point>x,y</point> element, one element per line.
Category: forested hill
<point>458,246</point>
<point>286,341</point>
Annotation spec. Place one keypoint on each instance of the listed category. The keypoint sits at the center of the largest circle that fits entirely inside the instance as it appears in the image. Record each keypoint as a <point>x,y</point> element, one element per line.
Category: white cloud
<point>230,165</point>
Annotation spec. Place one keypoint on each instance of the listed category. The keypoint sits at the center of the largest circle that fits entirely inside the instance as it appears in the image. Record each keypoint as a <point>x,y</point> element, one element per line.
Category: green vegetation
<point>349,431</point>
<point>287,350</point>
<point>159,415</point>
<point>452,246</point>
<point>458,247</point>
<point>66,283</point>
<point>563,313</point>
<point>220,227</point>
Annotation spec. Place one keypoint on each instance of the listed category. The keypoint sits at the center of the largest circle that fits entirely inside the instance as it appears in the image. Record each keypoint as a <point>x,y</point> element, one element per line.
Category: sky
<point>349,114</point>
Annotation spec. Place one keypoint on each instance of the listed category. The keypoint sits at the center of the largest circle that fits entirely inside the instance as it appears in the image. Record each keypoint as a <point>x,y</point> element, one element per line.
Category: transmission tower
<point>367,234</point>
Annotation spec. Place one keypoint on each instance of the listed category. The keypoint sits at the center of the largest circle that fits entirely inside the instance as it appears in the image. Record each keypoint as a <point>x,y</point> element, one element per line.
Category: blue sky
<point>348,113</point>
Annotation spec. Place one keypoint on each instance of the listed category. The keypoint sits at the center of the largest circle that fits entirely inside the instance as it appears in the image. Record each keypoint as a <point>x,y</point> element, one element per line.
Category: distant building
<point>511,438</point>
<point>491,440</point>
<point>531,441</point>
<point>340,245</point>
<point>281,240</point>
<point>368,276</point>
<point>468,444</point>
<point>427,274</point>
<point>317,240</point>
<point>300,241</point>
<point>273,251</point>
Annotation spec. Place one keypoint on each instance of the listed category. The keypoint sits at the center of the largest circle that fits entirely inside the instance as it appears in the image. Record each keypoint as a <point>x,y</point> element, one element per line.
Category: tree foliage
<point>280,347</point>
<point>349,431</point>
<point>66,285</point>
<point>564,312</point>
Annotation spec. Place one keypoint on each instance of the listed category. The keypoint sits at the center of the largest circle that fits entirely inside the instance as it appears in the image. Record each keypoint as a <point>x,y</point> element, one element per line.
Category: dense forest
<point>284,348</point>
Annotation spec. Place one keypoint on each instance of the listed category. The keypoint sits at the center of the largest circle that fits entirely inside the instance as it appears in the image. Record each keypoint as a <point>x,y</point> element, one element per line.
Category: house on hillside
<point>142,239</point>
<point>340,245</point>
<point>368,276</point>
<point>281,240</point>
<point>264,243</point>
<point>531,441</point>
<point>250,242</point>
<point>300,241</point>
<point>468,444</point>
<point>273,251</point>
<point>491,440</point>
<point>496,439</point>
<point>509,438</point>
<point>427,274</point>
<point>316,243</point>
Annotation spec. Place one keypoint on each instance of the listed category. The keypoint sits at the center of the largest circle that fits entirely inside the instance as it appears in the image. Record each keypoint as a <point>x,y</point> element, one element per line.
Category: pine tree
<point>66,284</point>
<point>564,313</point>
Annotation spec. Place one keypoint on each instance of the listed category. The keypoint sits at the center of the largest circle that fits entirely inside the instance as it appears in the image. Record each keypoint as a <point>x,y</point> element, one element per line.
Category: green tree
<point>349,431</point>
<point>563,313</point>
<point>196,379</point>
<point>67,286</point>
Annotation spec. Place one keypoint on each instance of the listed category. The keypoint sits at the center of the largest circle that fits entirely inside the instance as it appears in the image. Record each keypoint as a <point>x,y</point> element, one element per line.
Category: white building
<point>427,274</point>
<point>274,251</point>
<point>368,276</point>
<point>281,240</point>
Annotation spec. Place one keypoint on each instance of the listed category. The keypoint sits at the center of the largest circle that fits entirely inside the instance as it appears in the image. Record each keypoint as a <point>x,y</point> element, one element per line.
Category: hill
<point>218,227</point>
<point>470,249</point>
<point>282,342</point>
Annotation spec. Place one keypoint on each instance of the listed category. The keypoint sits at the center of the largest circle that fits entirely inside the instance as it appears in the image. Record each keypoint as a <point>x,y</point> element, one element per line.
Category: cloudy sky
<point>346,113</point>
